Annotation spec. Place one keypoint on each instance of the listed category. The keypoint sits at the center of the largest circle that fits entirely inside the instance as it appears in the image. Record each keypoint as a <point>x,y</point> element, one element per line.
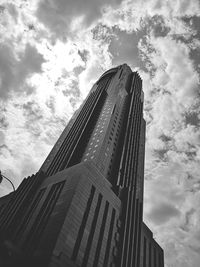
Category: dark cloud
<point>83,54</point>
<point>73,90</point>
<point>51,104</point>
<point>161,154</point>
<point>34,115</point>
<point>162,212</point>
<point>188,216</point>
<point>14,71</point>
<point>158,26</point>
<point>124,48</point>
<point>192,23</point>
<point>3,146</point>
<point>2,139</point>
<point>30,62</point>
<point>192,118</point>
<point>78,70</point>
<point>2,9</point>
<point>32,110</point>
<point>58,15</point>
<point>165,138</point>
<point>103,32</point>
<point>3,120</point>
<point>13,11</point>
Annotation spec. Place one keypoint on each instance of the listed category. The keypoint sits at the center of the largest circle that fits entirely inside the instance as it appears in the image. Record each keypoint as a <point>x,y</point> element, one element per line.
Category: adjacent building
<point>84,206</point>
<point>151,254</point>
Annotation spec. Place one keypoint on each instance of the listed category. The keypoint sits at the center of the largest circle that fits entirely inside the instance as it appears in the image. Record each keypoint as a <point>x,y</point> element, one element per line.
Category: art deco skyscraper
<point>84,207</point>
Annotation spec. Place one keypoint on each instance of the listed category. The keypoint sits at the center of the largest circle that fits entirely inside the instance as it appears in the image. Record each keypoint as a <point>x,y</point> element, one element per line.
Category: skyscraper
<point>84,206</point>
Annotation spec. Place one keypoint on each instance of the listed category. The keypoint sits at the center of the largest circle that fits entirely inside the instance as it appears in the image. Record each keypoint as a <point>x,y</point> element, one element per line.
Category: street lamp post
<point>1,179</point>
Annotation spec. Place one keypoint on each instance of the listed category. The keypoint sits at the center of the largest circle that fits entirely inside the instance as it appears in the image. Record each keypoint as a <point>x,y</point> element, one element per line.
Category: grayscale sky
<point>52,51</point>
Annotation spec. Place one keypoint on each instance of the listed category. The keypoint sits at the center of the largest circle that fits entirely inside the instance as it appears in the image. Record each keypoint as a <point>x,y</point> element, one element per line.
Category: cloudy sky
<point>51,52</point>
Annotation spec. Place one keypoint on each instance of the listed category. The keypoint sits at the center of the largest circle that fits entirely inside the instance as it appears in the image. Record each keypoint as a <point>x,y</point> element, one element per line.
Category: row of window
<point>113,138</point>
<point>98,131</point>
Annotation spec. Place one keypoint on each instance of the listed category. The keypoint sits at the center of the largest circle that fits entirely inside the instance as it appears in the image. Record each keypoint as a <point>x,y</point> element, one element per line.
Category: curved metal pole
<point>8,180</point>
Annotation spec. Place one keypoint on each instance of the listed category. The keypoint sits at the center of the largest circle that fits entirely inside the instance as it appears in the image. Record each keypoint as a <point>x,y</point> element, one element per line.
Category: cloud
<point>180,76</point>
<point>15,69</point>
<point>123,48</point>
<point>187,139</point>
<point>162,18</point>
<point>162,213</point>
<point>2,138</point>
<point>61,16</point>
<point>173,8</point>
<point>172,67</point>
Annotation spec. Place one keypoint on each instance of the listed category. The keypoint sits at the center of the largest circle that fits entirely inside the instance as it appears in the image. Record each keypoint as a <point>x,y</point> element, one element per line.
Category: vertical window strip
<point>41,221</point>
<point>120,74</point>
<point>132,211</point>
<point>144,256</point>
<point>2,208</point>
<point>83,224</point>
<point>28,216</point>
<point>128,238</point>
<point>136,233</point>
<point>92,230</point>
<point>101,235</point>
<point>108,247</point>
<point>155,261</point>
<point>139,233</point>
<point>160,260</point>
<point>150,254</point>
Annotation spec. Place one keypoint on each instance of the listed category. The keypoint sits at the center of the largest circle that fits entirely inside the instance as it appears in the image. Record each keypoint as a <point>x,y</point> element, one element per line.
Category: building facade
<point>84,206</point>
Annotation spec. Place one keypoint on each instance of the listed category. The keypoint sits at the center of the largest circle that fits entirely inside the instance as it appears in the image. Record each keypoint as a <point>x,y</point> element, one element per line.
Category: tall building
<point>84,206</point>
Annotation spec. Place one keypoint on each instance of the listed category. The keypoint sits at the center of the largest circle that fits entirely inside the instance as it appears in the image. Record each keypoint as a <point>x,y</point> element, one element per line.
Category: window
<point>144,251</point>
